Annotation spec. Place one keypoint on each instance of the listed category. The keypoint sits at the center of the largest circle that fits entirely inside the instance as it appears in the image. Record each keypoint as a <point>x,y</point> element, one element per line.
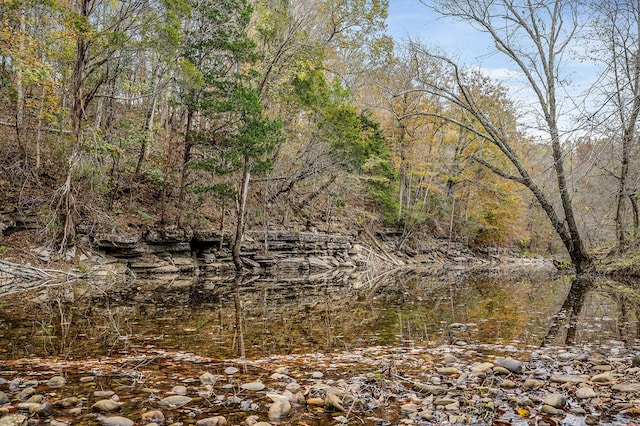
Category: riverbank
<point>480,385</point>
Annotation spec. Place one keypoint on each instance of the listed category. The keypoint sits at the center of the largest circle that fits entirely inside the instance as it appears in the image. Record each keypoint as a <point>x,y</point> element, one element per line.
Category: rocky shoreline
<point>480,385</point>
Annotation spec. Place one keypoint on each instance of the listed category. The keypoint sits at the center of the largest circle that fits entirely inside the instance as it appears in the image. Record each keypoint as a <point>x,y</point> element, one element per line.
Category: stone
<point>153,416</point>
<point>603,378</point>
<point>627,387</point>
<point>103,394</point>
<point>44,410</point>
<point>555,400</point>
<point>115,421</point>
<point>106,405</point>
<point>315,402</point>
<point>508,384</point>
<point>444,401</point>
<point>481,367</point>
<point>212,421</point>
<point>69,402</point>
<point>548,409</point>
<point>179,390</point>
<point>635,361</point>
<point>568,378</point>
<point>26,393</point>
<point>449,359</point>
<point>175,401</point>
<point>4,399</point>
<point>13,420</point>
<point>317,375</point>
<point>591,420</point>
<point>407,409</point>
<point>510,364</point>
<point>585,392</point>
<point>429,389</point>
<point>447,371</point>
<point>27,406</point>
<point>56,382</point>
<point>208,378</point>
<point>230,371</point>
<point>35,398</point>
<point>501,371</point>
<point>333,402</point>
<point>532,384</point>
<point>279,409</point>
<point>253,386</point>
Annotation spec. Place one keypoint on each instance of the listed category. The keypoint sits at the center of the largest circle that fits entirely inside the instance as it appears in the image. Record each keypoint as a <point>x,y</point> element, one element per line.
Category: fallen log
<point>15,270</point>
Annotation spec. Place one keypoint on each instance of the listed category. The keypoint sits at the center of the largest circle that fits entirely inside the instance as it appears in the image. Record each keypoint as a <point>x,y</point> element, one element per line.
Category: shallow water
<point>223,317</point>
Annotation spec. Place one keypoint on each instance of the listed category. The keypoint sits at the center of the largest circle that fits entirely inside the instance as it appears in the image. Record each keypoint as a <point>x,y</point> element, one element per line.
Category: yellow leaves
<point>522,412</point>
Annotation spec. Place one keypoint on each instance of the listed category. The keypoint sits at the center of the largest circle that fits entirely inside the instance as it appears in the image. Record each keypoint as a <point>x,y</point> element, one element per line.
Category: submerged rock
<point>115,421</point>
<point>106,405</point>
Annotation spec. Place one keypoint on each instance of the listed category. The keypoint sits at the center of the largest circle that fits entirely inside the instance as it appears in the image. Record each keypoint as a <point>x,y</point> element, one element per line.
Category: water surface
<point>224,317</point>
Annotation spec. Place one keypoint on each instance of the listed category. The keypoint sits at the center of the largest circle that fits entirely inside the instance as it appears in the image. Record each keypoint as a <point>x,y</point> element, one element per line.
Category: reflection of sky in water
<point>324,313</point>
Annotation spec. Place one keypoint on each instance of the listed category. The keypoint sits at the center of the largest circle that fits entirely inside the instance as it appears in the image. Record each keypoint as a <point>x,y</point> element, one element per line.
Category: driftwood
<point>13,270</point>
<point>15,278</point>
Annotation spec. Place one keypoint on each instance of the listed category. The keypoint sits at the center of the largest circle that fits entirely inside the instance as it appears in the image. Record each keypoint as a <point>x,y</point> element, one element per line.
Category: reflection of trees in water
<point>568,315</point>
<point>592,304</point>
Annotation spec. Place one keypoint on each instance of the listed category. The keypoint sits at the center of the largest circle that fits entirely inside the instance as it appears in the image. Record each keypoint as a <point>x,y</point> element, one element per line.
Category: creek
<point>225,317</point>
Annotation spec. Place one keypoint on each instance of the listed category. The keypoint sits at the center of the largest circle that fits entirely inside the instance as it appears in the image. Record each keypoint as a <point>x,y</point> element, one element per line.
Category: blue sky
<point>470,47</point>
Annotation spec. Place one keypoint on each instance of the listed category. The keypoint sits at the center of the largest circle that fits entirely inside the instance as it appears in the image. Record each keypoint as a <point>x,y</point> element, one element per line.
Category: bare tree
<point>616,37</point>
<point>534,36</point>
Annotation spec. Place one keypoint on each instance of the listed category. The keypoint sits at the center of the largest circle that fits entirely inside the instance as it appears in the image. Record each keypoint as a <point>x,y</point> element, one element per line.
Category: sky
<point>470,47</point>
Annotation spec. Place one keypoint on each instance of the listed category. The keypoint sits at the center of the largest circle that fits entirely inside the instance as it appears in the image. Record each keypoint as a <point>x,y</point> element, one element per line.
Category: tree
<point>533,36</point>
<point>616,45</point>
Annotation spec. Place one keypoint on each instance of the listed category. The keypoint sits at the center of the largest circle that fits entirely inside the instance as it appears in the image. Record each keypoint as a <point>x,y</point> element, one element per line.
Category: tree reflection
<point>569,312</point>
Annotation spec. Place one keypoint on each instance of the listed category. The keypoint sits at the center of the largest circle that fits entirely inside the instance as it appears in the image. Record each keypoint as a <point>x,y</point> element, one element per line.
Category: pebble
<point>253,386</point>
<point>106,405</point>
<point>510,364</point>
<point>230,371</point>
<point>603,378</point>
<point>154,416</point>
<point>4,399</point>
<point>333,402</point>
<point>407,409</point>
<point>212,421</point>
<point>508,384</point>
<point>26,393</point>
<point>317,375</point>
<point>585,392</point>
<point>532,384</point>
<point>447,371</point>
<point>481,367</point>
<point>13,420</point>
<point>179,390</point>
<point>548,409</point>
<point>56,382</point>
<point>635,361</point>
<point>44,410</point>
<point>279,409</point>
<point>115,421</point>
<point>555,400</point>
<point>208,378</point>
<point>67,402</point>
<point>568,378</point>
<point>626,387</point>
<point>175,401</point>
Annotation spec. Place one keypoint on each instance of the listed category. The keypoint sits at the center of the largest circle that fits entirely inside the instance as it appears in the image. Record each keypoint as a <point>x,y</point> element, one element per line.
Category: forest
<point>280,114</point>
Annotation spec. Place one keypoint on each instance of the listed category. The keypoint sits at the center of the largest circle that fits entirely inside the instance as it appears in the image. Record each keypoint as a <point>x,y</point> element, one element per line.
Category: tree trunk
<point>241,211</point>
